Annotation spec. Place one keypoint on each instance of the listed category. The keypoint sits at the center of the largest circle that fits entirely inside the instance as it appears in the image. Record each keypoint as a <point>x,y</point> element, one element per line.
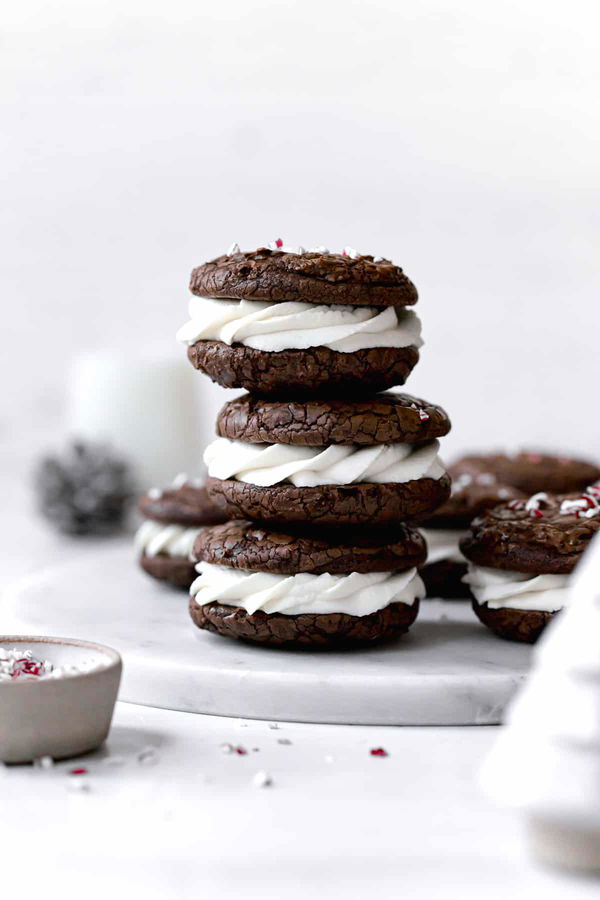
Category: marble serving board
<point>449,670</point>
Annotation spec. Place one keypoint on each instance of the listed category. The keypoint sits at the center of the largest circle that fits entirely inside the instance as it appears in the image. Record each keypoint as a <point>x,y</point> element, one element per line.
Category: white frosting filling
<point>155,539</point>
<point>290,325</point>
<point>356,594</point>
<point>442,543</point>
<point>268,464</point>
<point>517,590</point>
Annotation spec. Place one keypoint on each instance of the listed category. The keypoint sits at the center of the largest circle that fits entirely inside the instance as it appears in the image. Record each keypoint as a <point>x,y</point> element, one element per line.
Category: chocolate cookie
<point>313,277</point>
<point>174,518</point>
<point>303,371</point>
<point>531,472</point>
<point>547,533</point>
<point>444,580</point>
<point>188,504</point>
<point>285,322</point>
<point>384,418</point>
<point>245,545</point>
<point>521,555</point>
<point>335,630</point>
<point>521,625</point>
<point>294,589</point>
<point>332,505</point>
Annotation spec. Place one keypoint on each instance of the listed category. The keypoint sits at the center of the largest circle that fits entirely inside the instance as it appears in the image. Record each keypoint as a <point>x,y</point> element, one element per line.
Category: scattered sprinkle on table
<point>378,751</point>
<point>285,741</point>
<point>147,757</point>
<point>262,779</point>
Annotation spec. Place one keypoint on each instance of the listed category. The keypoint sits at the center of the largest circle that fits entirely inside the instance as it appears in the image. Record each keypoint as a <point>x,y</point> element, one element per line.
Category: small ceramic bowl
<point>58,717</point>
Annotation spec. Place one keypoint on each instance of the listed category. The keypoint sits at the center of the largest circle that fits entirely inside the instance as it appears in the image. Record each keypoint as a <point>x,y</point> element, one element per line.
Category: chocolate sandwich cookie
<point>174,519</point>
<point>472,494</point>
<point>280,321</point>
<point>480,482</point>
<point>297,588</point>
<point>521,555</point>
<point>329,462</point>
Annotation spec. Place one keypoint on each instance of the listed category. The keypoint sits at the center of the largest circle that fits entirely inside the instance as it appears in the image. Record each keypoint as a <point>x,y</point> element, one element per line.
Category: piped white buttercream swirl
<point>158,539</point>
<point>268,464</point>
<point>356,594</point>
<point>442,543</point>
<point>502,589</point>
<point>290,325</point>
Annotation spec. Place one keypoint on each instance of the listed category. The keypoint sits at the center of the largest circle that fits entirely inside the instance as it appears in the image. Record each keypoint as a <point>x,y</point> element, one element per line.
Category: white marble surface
<point>448,670</point>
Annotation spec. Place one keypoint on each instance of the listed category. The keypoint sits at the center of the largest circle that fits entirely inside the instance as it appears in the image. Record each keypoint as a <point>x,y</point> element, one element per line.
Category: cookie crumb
<point>262,779</point>
<point>147,756</point>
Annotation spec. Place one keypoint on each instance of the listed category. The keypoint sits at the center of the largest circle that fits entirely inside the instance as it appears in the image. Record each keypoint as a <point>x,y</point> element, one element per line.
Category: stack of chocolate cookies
<point>321,470</point>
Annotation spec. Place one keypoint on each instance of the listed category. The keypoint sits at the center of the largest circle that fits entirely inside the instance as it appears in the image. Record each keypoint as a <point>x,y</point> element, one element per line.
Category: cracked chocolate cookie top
<point>529,471</point>
<point>472,494</point>
<point>311,277</point>
<point>245,545</point>
<point>545,534</point>
<point>185,505</point>
<point>379,419</point>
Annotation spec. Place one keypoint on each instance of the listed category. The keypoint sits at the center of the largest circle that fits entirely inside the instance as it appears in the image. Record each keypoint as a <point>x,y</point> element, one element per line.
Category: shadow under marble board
<point>449,670</point>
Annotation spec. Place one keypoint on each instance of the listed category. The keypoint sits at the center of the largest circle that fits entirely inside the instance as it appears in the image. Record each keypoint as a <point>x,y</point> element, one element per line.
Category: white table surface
<point>336,822</point>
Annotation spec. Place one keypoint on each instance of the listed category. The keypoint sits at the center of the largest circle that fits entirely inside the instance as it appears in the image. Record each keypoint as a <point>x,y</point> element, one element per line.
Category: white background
<point>459,138</point>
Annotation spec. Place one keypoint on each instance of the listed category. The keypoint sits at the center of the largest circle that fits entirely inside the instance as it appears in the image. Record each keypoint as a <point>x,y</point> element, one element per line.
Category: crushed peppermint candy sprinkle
<point>179,480</point>
<point>262,779</point>
<point>155,493</point>
<point>378,751</point>
<point>424,416</point>
<point>22,665</point>
<point>535,502</point>
<point>234,248</point>
<point>516,504</point>
<point>585,507</point>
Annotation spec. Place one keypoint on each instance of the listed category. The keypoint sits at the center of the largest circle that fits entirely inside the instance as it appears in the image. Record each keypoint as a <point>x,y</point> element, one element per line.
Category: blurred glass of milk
<point>144,405</point>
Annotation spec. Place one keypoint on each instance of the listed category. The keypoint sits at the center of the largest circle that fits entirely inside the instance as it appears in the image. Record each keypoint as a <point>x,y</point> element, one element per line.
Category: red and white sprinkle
<point>21,665</point>
<point>378,751</point>
<point>535,502</point>
<point>585,507</point>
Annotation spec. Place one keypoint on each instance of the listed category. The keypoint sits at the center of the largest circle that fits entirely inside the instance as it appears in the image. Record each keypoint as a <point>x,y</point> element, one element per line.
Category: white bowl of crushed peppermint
<point>57,696</point>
